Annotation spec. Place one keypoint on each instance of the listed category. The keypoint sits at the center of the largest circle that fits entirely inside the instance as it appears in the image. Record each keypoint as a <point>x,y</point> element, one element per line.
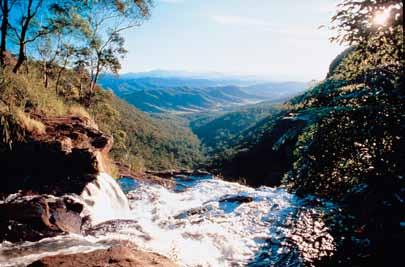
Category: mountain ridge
<point>180,94</point>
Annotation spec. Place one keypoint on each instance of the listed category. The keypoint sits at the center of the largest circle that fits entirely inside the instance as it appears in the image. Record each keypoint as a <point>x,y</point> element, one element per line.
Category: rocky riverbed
<point>52,188</point>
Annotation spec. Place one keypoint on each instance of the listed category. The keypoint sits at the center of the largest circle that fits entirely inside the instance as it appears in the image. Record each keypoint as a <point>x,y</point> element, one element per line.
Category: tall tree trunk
<point>22,42</point>
<point>21,57</point>
<point>46,75</point>
<point>94,82</point>
<point>59,77</point>
<point>4,28</point>
<point>21,52</point>
<point>95,78</point>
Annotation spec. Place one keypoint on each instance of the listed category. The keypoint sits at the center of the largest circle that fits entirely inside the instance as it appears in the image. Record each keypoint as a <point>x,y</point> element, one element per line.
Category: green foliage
<point>348,145</point>
<point>69,34</point>
<point>378,46</point>
<point>338,60</point>
<point>221,132</point>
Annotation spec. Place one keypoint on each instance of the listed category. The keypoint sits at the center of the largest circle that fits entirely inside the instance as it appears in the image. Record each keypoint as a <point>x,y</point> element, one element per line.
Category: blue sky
<point>278,39</point>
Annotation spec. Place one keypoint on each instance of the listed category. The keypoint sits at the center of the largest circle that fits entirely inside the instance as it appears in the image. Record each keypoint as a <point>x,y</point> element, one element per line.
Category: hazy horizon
<point>167,73</point>
<point>272,40</point>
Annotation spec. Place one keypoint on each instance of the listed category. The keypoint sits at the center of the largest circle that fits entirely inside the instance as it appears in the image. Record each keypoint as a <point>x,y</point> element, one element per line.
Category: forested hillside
<point>219,132</point>
<point>343,140</point>
<point>143,141</point>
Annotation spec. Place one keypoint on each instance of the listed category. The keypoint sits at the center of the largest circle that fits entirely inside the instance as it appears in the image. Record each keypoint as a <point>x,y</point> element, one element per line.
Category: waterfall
<point>104,200</point>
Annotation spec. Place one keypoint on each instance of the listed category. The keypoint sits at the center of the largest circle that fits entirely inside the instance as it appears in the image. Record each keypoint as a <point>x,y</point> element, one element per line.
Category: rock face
<point>116,256</point>
<point>64,159</point>
<point>40,169</point>
<point>172,173</point>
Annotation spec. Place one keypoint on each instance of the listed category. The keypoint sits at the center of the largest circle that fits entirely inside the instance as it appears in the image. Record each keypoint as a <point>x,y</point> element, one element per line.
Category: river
<point>204,221</point>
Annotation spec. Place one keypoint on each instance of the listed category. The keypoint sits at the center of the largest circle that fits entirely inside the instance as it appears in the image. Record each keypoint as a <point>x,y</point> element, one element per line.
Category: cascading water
<point>203,222</point>
<point>104,200</point>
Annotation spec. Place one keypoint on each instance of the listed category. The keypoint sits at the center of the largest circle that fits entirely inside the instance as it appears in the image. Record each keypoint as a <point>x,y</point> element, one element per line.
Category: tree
<point>5,8</point>
<point>375,29</point>
<point>22,28</point>
<point>72,33</point>
<point>47,58</point>
<point>103,24</point>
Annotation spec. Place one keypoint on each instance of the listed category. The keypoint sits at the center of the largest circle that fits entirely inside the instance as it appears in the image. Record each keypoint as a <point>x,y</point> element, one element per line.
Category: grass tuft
<point>79,111</point>
<point>30,124</point>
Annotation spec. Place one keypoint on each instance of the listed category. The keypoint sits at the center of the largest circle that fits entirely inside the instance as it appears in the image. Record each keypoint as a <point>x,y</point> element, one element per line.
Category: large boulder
<point>63,159</point>
<point>116,256</point>
<point>35,217</point>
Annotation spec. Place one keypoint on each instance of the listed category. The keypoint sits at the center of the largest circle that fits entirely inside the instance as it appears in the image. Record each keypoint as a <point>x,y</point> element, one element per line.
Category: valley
<point>185,95</point>
<point>219,110</point>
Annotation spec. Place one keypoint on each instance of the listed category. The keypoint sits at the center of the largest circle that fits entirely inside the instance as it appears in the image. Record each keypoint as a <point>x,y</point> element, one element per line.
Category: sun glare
<point>381,17</point>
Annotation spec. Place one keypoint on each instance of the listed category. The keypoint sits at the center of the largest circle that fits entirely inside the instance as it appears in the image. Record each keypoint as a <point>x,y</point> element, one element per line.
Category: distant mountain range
<point>186,99</point>
<point>193,75</point>
<point>183,92</point>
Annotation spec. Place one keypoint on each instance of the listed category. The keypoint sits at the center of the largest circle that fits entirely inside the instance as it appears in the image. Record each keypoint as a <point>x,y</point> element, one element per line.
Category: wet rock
<point>191,212</point>
<point>237,198</point>
<point>178,173</point>
<point>118,226</point>
<point>116,256</point>
<point>167,174</point>
<point>35,217</point>
<point>62,160</point>
<point>310,236</point>
<point>182,176</point>
<point>201,173</point>
<point>229,203</point>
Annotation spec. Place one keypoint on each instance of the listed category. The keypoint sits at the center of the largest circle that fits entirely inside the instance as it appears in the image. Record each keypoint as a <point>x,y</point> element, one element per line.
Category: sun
<point>381,17</point>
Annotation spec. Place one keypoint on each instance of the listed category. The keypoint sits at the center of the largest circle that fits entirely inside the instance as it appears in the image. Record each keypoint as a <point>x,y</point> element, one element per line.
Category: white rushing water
<point>104,200</point>
<point>196,228</point>
<point>205,222</point>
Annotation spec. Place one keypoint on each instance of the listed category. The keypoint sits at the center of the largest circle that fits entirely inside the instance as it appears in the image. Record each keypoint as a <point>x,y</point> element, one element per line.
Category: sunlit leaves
<point>377,46</point>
